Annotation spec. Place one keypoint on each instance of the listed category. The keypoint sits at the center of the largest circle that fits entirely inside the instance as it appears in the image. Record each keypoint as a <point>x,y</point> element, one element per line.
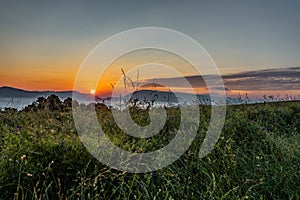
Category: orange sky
<point>58,77</point>
<point>39,74</point>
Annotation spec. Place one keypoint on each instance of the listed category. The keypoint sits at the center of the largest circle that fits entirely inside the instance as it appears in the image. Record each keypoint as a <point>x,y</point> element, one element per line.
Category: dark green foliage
<point>256,157</point>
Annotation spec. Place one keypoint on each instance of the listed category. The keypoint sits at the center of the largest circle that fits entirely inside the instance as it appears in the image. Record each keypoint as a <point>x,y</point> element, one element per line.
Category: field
<point>256,157</point>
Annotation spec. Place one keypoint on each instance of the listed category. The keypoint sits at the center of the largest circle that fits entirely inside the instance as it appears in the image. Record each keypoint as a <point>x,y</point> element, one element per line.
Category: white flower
<point>23,157</point>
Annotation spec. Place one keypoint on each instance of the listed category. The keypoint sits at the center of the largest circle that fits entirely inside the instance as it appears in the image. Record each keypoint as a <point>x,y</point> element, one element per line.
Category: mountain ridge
<point>12,92</point>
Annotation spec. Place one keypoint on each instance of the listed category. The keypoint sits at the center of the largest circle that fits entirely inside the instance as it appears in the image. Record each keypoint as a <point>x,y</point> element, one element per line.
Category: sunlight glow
<point>92,91</point>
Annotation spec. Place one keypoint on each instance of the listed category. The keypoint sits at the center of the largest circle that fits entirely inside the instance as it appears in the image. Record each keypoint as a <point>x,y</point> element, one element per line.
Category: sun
<point>92,91</point>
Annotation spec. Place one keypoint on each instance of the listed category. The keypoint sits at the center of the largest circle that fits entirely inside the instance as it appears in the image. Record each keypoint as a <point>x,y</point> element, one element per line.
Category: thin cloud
<point>269,79</point>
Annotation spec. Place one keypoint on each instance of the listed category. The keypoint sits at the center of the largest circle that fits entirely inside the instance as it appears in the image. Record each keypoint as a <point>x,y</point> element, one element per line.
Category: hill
<point>10,92</point>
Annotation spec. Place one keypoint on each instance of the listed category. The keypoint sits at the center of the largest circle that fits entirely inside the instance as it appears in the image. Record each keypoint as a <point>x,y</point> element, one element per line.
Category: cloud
<point>221,88</point>
<point>270,79</point>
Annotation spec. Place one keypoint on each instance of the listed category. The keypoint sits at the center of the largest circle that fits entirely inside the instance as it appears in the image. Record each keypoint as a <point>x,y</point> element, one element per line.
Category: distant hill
<point>141,95</point>
<point>162,96</point>
<point>170,97</point>
<point>10,92</point>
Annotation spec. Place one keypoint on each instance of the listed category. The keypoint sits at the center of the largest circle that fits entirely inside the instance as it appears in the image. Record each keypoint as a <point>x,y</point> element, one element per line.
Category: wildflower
<point>140,184</point>
<point>30,175</point>
<point>153,174</point>
<point>23,157</point>
<point>266,129</point>
<point>18,127</point>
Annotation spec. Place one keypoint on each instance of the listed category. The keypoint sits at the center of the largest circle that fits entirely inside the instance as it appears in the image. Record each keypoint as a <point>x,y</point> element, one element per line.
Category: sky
<point>43,44</point>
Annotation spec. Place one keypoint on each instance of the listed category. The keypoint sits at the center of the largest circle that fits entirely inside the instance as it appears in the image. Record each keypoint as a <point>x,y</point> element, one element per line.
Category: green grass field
<point>256,157</point>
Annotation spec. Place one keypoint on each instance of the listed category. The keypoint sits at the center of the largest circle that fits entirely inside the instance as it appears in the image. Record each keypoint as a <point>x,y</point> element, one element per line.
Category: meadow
<point>256,157</point>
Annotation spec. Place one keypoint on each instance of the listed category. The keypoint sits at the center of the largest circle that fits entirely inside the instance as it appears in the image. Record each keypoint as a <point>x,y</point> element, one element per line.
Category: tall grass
<point>256,157</point>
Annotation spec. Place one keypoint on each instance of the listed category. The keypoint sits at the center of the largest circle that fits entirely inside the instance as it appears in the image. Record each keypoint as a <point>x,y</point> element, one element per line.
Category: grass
<point>256,157</point>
